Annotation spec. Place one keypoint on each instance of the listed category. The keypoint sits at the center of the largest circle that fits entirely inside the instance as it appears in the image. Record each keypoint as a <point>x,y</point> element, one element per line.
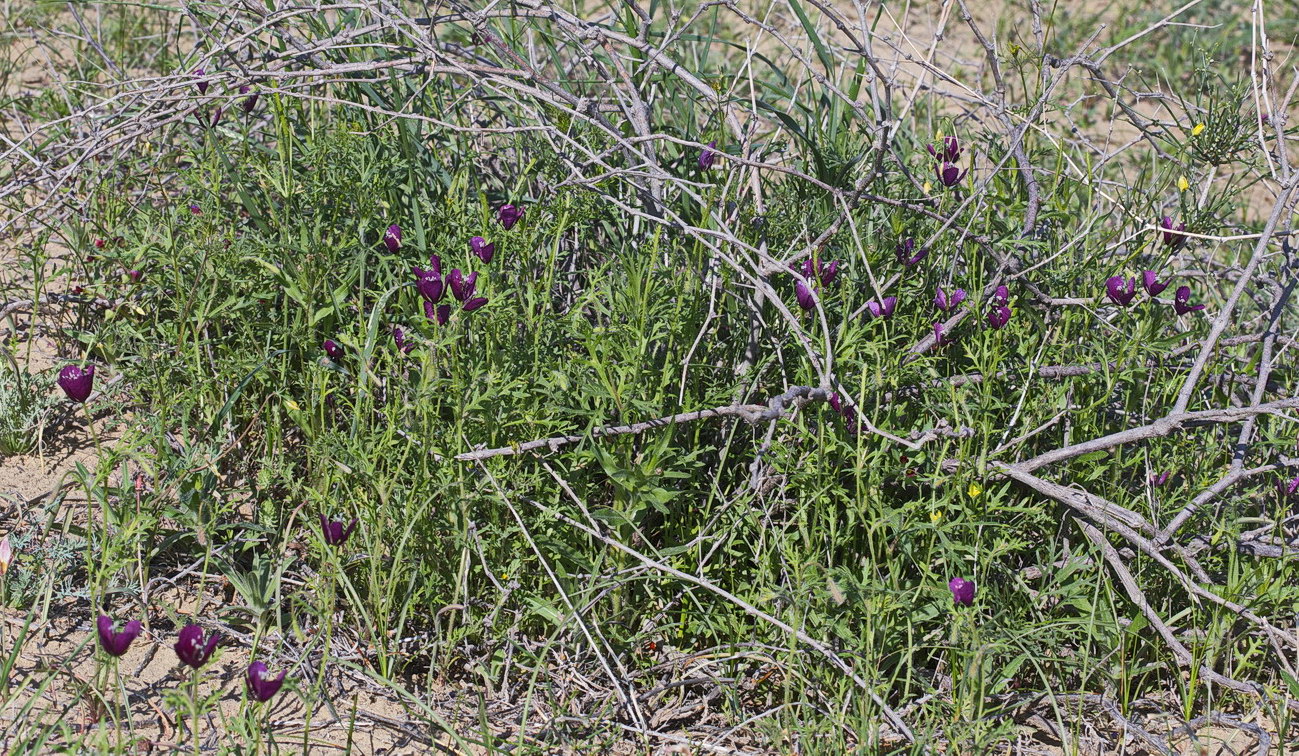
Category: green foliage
<point>600,317</point>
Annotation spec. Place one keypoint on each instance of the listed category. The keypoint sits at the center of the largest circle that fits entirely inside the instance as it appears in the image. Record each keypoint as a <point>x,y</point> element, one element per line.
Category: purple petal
<point>962,591</point>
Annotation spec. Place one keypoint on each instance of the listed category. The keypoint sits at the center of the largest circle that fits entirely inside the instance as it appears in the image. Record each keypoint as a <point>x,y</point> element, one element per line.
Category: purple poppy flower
<point>440,313</point>
<point>481,248</point>
<point>1001,296</point>
<point>836,402</point>
<point>260,685</point>
<point>202,83</point>
<point>99,244</point>
<point>708,156</point>
<point>192,648</point>
<point>962,591</point>
<point>216,117</point>
<point>1170,232</point>
<point>1149,282</point>
<point>1160,479</point>
<point>883,308</point>
<point>195,210</point>
<point>1114,289</point>
<point>950,151</point>
<point>944,302</point>
<point>335,532</point>
<point>1182,301</point>
<point>113,642</point>
<point>473,303</point>
<point>813,268</point>
<point>77,383</point>
<point>399,338</point>
<point>805,296</point>
<point>829,272</point>
<point>428,283</point>
<point>332,349</point>
<point>134,275</point>
<point>462,286</point>
<point>949,174</point>
<point>508,215</point>
<point>939,338</point>
<point>998,317</point>
<point>1287,488</point>
<point>904,253</point>
<point>250,101</point>
<point>392,238</point>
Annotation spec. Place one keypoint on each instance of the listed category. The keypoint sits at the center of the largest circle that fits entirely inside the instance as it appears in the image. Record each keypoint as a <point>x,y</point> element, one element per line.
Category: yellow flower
<point>927,187</point>
<point>974,490</point>
<point>934,517</point>
<point>1182,183</point>
<point>1198,128</point>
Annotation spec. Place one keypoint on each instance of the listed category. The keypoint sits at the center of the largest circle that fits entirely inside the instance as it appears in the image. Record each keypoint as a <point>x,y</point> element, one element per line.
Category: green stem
<point>193,709</point>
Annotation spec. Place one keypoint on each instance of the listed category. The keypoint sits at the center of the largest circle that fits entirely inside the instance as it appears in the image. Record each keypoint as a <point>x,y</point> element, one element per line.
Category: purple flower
<point>134,275</point>
<point>508,215</point>
<point>250,101</point>
<point>77,383</point>
<point>99,244</point>
<point>939,338</point>
<point>998,317</point>
<point>1182,301</point>
<point>1287,488</point>
<point>950,151</point>
<point>962,591</point>
<point>1171,237</point>
<point>1160,479</point>
<point>332,349</point>
<point>828,272</point>
<point>708,156</point>
<point>883,308</point>
<point>905,249</point>
<point>1152,286</point>
<point>462,286</point>
<point>392,238</point>
<point>428,283</point>
<point>399,338</point>
<point>949,174</point>
<point>836,402</point>
<point>202,83</point>
<point>1001,296</point>
<point>440,313</point>
<point>805,296</point>
<point>944,302</point>
<point>195,210</point>
<point>812,268</point>
<point>260,685</point>
<point>473,303</point>
<point>1114,289</point>
<point>216,117</point>
<point>116,643</point>
<point>335,532</point>
<point>192,649</point>
<point>481,248</point>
